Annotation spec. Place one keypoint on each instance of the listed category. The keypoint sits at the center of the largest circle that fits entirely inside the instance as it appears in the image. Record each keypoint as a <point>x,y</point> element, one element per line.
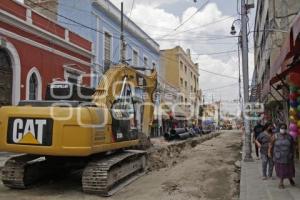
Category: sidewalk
<point>253,187</point>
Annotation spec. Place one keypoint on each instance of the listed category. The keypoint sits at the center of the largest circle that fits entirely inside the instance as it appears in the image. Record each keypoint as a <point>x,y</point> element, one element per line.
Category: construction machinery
<point>96,133</point>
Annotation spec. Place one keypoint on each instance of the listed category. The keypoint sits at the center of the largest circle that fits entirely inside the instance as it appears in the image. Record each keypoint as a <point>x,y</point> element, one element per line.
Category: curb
<point>243,189</point>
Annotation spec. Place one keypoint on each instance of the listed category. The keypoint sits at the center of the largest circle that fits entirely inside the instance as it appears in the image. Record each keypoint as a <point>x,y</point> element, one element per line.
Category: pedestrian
<point>257,130</point>
<point>263,141</point>
<point>284,156</point>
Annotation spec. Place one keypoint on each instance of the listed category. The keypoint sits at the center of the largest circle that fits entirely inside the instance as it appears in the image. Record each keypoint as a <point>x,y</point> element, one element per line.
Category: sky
<point>207,34</point>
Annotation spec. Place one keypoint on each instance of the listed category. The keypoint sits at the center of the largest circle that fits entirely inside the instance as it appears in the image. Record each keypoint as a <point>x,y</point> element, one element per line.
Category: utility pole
<point>123,44</point>
<point>247,140</point>
<point>239,65</point>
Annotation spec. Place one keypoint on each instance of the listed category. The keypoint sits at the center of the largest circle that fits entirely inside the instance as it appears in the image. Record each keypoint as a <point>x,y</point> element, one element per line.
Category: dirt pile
<point>164,154</point>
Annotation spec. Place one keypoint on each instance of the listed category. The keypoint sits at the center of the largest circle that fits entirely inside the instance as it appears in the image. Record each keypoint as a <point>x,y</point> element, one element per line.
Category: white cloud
<point>202,39</point>
<point>145,16</point>
<point>150,3</point>
<point>208,81</point>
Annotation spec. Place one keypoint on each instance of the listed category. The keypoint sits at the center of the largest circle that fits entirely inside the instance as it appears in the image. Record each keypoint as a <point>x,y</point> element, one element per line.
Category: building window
<point>135,58</point>
<point>145,61</point>
<point>181,65</point>
<point>181,82</point>
<point>33,87</point>
<point>107,50</point>
<point>185,69</point>
<point>185,84</point>
<point>181,98</point>
<point>191,74</point>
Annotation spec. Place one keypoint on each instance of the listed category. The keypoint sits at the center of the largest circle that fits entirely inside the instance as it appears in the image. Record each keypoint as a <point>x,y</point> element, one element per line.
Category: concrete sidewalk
<point>254,188</point>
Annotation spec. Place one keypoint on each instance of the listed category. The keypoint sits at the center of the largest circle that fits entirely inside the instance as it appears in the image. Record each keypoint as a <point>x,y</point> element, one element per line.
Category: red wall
<point>14,8</point>
<point>19,10</point>
<point>50,65</point>
<point>40,40</point>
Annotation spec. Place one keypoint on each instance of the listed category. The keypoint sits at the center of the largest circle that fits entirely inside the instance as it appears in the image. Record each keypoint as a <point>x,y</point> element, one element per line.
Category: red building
<point>34,51</point>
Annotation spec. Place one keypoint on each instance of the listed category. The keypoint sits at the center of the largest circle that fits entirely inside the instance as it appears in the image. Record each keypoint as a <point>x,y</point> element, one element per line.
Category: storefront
<point>170,117</point>
<point>286,82</point>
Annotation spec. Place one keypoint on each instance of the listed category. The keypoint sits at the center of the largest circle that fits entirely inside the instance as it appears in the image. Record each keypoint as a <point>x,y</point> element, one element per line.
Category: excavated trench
<point>166,154</point>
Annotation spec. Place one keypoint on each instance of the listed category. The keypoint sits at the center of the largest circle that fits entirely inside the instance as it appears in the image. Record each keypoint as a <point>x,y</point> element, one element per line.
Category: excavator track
<point>107,175</point>
<point>19,172</point>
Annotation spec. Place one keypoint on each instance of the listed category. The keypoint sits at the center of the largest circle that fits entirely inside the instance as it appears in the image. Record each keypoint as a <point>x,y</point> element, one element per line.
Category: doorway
<point>6,76</point>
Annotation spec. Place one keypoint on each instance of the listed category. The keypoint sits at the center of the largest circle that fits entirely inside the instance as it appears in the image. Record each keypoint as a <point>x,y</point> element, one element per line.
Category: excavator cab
<point>125,114</point>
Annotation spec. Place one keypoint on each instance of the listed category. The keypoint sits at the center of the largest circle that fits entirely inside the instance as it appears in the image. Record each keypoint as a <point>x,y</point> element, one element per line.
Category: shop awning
<point>164,111</point>
<point>179,112</point>
<point>286,61</point>
<point>278,77</point>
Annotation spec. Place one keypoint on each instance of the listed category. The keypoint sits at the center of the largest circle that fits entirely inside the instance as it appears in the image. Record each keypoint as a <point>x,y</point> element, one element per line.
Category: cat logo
<point>30,131</point>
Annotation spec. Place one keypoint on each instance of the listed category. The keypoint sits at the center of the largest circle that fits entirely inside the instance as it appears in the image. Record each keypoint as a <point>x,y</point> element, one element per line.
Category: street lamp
<point>233,31</point>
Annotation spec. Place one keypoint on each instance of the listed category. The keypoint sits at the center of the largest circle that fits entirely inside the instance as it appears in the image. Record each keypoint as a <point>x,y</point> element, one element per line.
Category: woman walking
<point>284,156</point>
<point>263,141</point>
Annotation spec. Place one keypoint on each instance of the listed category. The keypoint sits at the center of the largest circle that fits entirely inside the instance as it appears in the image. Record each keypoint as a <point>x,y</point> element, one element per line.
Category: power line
<point>198,39</point>
<point>214,53</point>
<point>194,28</point>
<point>146,38</point>
<point>87,12</point>
<point>112,36</point>
<point>205,36</point>
<point>204,25</point>
<point>161,27</point>
<point>75,22</point>
<point>217,74</point>
<point>181,24</point>
<point>225,86</point>
<point>132,5</point>
<point>83,25</point>
<point>91,28</point>
<point>214,73</point>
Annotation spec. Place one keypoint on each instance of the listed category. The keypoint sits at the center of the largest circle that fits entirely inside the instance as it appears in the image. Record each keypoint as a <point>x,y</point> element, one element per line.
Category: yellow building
<point>180,72</point>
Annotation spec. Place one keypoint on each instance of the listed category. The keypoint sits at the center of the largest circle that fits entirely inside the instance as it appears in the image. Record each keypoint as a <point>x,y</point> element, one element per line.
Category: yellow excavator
<point>73,129</point>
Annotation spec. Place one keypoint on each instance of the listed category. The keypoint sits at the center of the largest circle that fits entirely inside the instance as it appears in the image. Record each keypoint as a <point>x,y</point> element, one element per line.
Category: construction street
<point>205,171</point>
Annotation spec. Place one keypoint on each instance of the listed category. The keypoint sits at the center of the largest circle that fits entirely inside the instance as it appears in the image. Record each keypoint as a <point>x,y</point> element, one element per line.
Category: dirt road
<point>206,171</point>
